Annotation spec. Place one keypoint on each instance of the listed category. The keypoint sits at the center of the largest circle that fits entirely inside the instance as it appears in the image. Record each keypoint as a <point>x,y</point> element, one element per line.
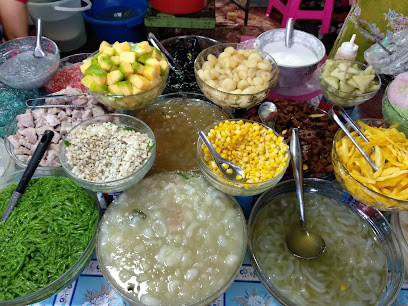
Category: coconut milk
<point>297,55</point>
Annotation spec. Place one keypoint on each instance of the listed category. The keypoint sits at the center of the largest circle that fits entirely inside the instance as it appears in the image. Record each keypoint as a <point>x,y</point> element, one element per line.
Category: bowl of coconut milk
<point>296,63</point>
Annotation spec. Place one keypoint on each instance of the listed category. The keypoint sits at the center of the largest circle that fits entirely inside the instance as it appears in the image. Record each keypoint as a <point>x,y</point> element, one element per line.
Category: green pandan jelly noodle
<point>45,235</point>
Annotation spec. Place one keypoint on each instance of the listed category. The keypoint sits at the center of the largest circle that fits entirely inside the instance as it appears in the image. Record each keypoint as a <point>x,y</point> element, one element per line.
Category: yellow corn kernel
<point>225,166</point>
<point>229,171</point>
<point>305,167</point>
<point>343,287</point>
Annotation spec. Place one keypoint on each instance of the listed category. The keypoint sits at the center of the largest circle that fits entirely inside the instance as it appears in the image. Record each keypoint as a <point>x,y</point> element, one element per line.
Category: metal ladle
<point>289,33</point>
<point>38,50</point>
<point>172,62</point>
<point>236,170</point>
<point>300,241</point>
<point>264,110</point>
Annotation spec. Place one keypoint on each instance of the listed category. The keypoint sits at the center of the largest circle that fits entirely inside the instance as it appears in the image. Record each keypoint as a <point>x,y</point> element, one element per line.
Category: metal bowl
<point>293,75</point>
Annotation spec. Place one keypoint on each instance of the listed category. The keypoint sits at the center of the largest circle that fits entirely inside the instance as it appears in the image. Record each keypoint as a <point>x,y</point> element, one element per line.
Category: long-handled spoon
<point>289,33</point>
<point>28,173</point>
<point>300,241</point>
<point>38,50</point>
<point>227,167</point>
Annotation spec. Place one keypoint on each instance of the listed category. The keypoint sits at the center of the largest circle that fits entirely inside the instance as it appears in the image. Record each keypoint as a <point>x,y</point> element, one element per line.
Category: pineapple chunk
<point>87,80</point>
<point>126,87</point>
<point>114,77</point>
<point>115,90</point>
<point>138,67</point>
<point>122,47</point>
<point>109,51</point>
<point>136,90</point>
<point>126,68</point>
<point>98,87</point>
<point>115,59</point>
<point>154,63</point>
<point>99,77</point>
<point>343,86</point>
<point>85,66</point>
<point>363,81</point>
<point>104,45</point>
<point>129,57</point>
<point>105,62</point>
<point>164,67</point>
<point>334,82</point>
<point>140,82</point>
<point>155,81</point>
<point>150,72</point>
<point>141,48</point>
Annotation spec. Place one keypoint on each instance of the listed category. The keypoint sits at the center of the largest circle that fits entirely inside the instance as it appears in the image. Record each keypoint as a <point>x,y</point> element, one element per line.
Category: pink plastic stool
<point>291,10</point>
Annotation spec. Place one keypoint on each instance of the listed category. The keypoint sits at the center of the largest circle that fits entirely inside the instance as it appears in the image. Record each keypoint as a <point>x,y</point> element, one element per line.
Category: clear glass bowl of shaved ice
<point>20,69</point>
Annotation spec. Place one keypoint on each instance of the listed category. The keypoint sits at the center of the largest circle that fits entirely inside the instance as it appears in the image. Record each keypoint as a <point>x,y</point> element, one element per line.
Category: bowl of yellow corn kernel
<point>387,188</point>
<point>257,149</point>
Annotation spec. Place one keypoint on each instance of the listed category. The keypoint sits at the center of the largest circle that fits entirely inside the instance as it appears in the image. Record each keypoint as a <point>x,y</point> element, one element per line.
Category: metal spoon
<point>289,33</point>
<point>236,170</point>
<point>264,110</point>
<point>300,241</point>
<point>333,115</point>
<point>28,173</point>
<point>172,62</point>
<point>38,50</point>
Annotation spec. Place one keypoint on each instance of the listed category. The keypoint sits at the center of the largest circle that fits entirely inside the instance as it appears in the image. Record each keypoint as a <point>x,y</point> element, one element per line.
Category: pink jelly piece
<point>69,75</point>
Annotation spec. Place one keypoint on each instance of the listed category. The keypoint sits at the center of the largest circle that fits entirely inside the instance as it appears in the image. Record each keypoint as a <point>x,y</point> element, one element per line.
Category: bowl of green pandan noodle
<point>49,237</point>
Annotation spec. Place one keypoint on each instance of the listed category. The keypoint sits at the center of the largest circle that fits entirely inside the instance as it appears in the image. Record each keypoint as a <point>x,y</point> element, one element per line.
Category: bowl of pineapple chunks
<point>125,76</point>
<point>348,83</point>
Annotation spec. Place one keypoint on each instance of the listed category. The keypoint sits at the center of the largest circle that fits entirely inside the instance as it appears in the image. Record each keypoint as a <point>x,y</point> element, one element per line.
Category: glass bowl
<point>185,50</point>
<point>131,102</point>
<point>73,272</point>
<point>172,241</point>
<point>341,98</point>
<point>174,119</point>
<point>357,189</point>
<point>26,71</point>
<point>399,225</point>
<point>236,188</point>
<point>123,121</point>
<point>68,73</point>
<point>336,216</point>
<point>231,100</point>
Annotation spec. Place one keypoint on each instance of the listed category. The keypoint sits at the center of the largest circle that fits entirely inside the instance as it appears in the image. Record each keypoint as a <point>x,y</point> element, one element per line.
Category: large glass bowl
<point>399,225</point>
<point>188,203</point>
<point>174,119</point>
<point>341,98</point>
<point>357,189</point>
<point>235,188</point>
<point>75,270</point>
<point>124,121</point>
<point>230,100</point>
<point>131,102</point>
<point>31,73</point>
<point>331,190</point>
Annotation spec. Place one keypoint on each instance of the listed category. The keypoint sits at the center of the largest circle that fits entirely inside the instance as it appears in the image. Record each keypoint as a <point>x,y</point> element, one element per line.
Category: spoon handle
<point>209,146</point>
<point>289,33</point>
<point>39,32</point>
<point>297,167</point>
<point>155,42</point>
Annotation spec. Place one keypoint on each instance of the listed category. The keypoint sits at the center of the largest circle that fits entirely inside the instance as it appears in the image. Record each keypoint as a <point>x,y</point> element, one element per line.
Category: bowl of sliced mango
<point>125,76</point>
